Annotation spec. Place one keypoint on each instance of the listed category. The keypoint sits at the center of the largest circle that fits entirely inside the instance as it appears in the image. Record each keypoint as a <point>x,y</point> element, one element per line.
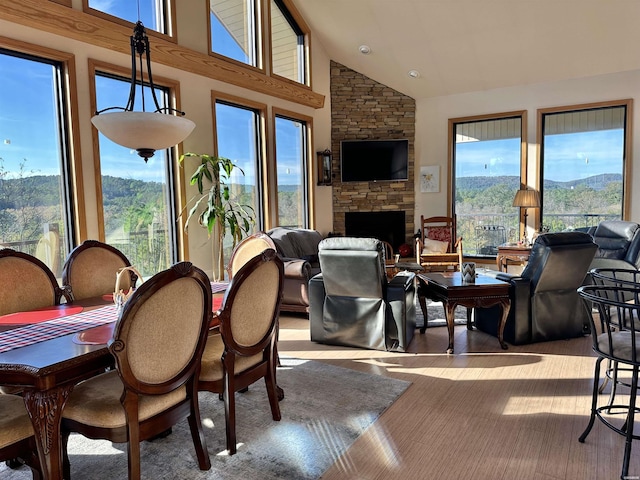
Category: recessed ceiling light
<point>413,73</point>
<point>364,49</point>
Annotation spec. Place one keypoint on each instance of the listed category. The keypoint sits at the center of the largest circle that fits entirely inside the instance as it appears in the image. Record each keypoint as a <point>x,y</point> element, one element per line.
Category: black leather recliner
<point>544,302</point>
<point>352,303</point>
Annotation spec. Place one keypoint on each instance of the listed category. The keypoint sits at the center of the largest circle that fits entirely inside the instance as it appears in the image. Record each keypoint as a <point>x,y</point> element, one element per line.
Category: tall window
<point>138,214</point>
<point>291,167</point>
<point>233,27</point>
<point>238,136</point>
<point>488,156</point>
<point>152,13</point>
<point>583,152</point>
<point>287,44</point>
<point>35,193</point>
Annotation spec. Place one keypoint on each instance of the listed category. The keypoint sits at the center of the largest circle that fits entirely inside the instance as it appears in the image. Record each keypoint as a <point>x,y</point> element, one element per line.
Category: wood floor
<point>482,413</point>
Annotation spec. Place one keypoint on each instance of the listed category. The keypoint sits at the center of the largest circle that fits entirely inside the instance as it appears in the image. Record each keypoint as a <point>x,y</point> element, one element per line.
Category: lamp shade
<point>527,199</point>
<point>143,130</point>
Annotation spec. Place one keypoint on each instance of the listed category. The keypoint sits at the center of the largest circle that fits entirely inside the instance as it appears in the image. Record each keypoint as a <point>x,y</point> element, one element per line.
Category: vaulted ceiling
<point>462,46</point>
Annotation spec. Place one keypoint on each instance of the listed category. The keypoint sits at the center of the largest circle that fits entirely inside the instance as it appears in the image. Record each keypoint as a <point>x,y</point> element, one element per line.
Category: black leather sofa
<point>544,302</point>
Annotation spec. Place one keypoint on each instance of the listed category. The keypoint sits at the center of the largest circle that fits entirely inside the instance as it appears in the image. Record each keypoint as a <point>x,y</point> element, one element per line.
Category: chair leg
<point>272,392</point>
<point>66,466</point>
<point>230,413</point>
<point>197,434</point>
<point>630,419</point>
<point>594,401</point>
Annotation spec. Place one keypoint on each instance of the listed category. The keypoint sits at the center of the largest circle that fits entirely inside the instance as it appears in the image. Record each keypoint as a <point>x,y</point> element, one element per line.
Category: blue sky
<point>567,157</point>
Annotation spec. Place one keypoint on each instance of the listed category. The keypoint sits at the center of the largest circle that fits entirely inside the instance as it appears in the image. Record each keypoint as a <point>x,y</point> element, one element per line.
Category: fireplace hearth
<point>388,226</point>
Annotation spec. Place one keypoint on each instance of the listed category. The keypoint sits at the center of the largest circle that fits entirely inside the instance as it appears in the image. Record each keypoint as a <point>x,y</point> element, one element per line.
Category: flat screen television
<point>374,160</point>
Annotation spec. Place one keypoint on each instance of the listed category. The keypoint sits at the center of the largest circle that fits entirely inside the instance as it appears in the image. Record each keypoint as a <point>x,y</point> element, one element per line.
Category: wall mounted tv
<point>374,160</point>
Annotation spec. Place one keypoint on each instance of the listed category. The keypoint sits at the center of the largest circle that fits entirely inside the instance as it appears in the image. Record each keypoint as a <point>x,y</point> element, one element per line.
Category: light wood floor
<point>482,413</point>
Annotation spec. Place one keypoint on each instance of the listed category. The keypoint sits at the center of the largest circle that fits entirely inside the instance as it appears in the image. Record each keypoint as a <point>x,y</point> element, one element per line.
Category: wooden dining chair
<point>91,268</point>
<point>245,349</point>
<point>247,249</point>
<point>157,345</point>
<point>17,443</point>
<point>26,283</point>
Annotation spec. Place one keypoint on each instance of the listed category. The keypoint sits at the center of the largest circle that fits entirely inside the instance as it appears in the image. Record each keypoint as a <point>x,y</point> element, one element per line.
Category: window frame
<point>175,176</point>
<point>72,167</point>
<point>290,12</point>
<point>258,34</point>
<point>170,24</point>
<point>308,171</point>
<point>261,167</point>
<point>627,160</point>
<point>524,164</point>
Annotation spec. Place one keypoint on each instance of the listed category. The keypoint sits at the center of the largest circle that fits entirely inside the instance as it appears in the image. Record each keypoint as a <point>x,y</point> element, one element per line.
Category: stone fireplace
<point>387,225</point>
<point>363,109</point>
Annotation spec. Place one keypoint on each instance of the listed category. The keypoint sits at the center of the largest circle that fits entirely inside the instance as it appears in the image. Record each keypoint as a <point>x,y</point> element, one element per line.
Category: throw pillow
<point>434,246</point>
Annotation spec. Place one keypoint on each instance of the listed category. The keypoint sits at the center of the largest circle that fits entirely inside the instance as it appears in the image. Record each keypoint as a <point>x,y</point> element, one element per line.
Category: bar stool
<point>619,343</point>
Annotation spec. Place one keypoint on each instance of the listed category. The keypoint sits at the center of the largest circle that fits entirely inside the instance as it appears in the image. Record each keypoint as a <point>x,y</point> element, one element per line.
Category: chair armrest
<point>297,268</point>
<point>402,280</point>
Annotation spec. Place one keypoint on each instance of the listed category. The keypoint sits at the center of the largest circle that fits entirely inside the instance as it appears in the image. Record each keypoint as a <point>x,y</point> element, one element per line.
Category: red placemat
<point>39,315</point>
<point>95,336</point>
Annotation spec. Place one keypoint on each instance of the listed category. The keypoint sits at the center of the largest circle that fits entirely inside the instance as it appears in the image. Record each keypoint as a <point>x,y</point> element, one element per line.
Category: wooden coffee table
<point>449,289</point>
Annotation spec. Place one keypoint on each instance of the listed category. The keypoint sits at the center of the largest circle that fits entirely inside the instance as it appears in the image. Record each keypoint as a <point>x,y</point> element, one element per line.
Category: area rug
<point>435,311</point>
<point>325,409</point>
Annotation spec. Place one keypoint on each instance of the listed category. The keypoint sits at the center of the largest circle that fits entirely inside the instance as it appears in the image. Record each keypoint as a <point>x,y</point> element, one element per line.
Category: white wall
<point>432,117</point>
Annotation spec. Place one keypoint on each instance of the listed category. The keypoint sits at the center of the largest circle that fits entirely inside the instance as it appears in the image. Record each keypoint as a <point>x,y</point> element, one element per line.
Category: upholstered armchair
<point>618,245</point>
<point>545,304</point>
<point>352,303</point>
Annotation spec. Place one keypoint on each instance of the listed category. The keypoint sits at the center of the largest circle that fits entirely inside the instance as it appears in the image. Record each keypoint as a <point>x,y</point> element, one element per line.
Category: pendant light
<point>143,131</point>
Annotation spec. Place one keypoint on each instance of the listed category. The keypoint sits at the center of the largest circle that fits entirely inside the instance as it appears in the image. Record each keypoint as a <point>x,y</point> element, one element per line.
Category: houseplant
<point>218,208</point>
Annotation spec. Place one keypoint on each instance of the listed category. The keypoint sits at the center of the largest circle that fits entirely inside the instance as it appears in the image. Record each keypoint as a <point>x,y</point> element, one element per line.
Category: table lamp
<point>526,198</point>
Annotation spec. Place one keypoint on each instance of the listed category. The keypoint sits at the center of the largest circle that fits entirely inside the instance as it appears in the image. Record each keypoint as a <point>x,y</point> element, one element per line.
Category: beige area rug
<point>325,409</point>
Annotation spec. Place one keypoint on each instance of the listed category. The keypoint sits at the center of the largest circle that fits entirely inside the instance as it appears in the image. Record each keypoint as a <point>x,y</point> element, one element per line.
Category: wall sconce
<point>324,167</point>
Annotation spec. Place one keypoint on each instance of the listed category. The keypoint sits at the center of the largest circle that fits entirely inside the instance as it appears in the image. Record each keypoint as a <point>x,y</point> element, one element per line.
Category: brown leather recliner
<point>544,302</point>
<point>298,248</point>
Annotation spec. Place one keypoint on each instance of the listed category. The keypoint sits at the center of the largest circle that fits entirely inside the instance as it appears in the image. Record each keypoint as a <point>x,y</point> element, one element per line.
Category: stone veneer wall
<point>363,109</point>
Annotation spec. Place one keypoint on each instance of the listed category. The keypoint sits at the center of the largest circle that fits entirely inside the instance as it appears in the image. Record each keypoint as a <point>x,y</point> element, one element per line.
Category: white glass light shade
<point>143,130</point>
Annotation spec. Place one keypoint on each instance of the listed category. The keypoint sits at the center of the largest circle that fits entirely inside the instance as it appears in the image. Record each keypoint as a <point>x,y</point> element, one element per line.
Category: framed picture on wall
<point>430,179</point>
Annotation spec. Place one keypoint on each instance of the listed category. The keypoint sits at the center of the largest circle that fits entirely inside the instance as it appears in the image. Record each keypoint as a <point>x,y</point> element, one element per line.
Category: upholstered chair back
<point>559,261</point>
<point>251,306</point>
<point>26,283</point>
<point>352,267</point>
<point>247,249</point>
<point>162,330</point>
<point>91,269</point>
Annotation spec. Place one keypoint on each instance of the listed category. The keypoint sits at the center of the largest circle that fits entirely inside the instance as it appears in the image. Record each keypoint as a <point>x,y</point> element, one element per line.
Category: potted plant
<point>216,208</point>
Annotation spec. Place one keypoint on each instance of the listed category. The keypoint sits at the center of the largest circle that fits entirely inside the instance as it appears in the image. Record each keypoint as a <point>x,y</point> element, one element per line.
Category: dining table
<point>46,352</point>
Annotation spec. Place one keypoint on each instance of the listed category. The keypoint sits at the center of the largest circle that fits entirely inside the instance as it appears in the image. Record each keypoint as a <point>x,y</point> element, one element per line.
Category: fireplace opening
<point>388,226</point>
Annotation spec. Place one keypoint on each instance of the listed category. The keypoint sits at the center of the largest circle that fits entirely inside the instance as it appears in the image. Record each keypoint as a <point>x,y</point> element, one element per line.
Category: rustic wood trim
<point>628,158</point>
<point>261,110</point>
<point>66,3</point>
<point>180,198</point>
<point>70,23</point>
<point>311,163</point>
<point>75,155</point>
